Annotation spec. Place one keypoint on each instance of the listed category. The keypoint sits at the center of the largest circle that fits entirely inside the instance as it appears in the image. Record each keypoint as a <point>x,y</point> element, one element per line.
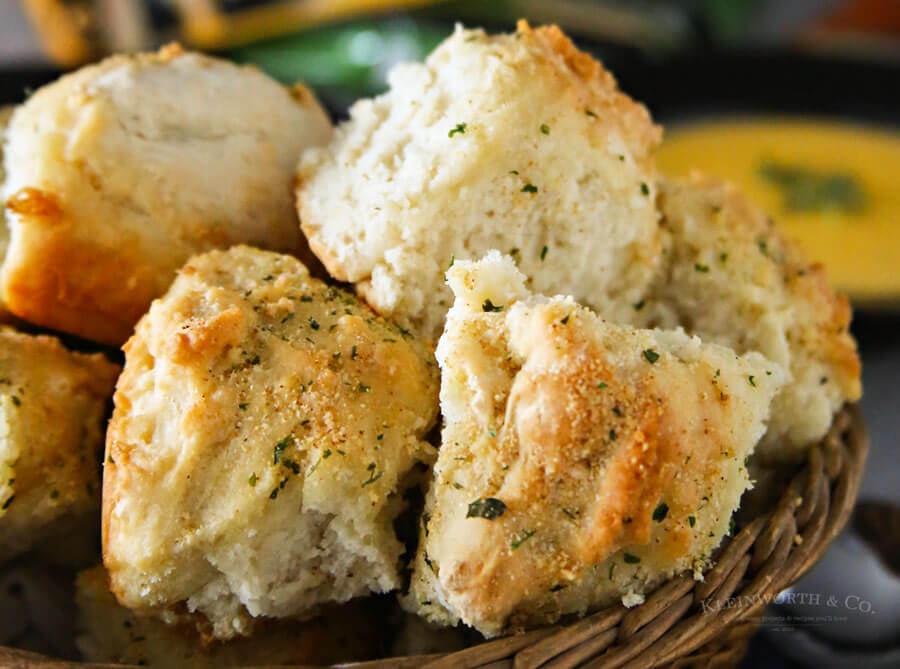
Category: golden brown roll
<point>581,461</point>
<point>53,405</point>
<point>264,426</point>
<point>730,277</point>
<point>116,174</point>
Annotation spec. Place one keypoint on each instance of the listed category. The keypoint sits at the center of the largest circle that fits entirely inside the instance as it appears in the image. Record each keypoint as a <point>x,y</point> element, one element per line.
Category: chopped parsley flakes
<point>529,188</point>
<point>525,536</point>
<point>660,512</point>
<point>279,448</point>
<point>651,355</point>
<point>372,475</point>
<point>808,190</point>
<point>460,128</point>
<point>487,305</point>
<point>489,508</point>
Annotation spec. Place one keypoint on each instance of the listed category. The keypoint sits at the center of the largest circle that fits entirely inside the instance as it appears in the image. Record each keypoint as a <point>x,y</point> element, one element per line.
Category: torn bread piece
<point>119,172</point>
<point>53,409</point>
<point>108,632</point>
<point>265,425</point>
<point>730,277</point>
<point>581,461</point>
<point>519,142</point>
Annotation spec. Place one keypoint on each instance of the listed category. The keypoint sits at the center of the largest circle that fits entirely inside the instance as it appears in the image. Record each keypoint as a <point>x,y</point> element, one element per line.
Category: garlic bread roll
<point>264,427</point>
<point>729,276</point>
<point>517,142</point>
<point>53,408</point>
<point>581,461</point>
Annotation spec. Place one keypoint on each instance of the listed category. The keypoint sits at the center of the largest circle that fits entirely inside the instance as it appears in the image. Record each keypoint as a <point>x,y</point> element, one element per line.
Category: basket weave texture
<point>684,622</point>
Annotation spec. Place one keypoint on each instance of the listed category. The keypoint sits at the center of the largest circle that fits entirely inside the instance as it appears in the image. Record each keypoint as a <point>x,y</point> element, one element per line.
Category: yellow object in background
<point>833,186</point>
<point>73,32</point>
<point>64,29</point>
<point>208,25</point>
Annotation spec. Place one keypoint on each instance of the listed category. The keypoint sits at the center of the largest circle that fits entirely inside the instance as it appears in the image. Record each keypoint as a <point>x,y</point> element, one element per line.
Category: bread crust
<point>112,184</point>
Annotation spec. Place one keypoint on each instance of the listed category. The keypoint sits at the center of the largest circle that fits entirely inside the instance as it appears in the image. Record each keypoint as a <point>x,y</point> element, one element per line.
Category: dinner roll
<point>53,407</point>
<point>117,173</point>
<point>264,426</point>
<point>581,461</point>
<point>518,142</point>
<point>730,277</point>
<point>108,632</point>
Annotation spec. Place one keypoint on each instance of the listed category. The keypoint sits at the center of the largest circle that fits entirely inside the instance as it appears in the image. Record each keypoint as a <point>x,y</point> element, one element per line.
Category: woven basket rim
<point>683,621</point>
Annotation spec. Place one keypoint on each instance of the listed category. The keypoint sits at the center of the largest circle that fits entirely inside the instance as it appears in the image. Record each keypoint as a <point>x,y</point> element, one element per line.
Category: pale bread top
<point>119,172</point>
<point>518,142</point>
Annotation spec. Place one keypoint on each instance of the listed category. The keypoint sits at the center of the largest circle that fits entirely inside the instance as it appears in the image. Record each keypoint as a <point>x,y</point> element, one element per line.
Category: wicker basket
<point>684,622</point>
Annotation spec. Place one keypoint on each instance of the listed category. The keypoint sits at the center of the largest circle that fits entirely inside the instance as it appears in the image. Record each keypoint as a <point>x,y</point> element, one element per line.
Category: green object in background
<point>805,190</point>
<point>350,60</point>
<point>727,20</point>
<point>345,61</point>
